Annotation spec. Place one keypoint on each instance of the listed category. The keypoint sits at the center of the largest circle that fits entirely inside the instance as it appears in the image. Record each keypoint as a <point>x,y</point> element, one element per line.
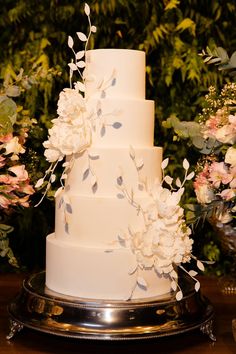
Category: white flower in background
<point>226,134</point>
<point>230,156</point>
<point>13,147</point>
<point>204,193</point>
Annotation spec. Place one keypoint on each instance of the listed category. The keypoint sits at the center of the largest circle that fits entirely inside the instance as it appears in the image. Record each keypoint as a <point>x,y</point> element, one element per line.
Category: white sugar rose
<point>167,202</point>
<point>52,154</point>
<point>230,156</point>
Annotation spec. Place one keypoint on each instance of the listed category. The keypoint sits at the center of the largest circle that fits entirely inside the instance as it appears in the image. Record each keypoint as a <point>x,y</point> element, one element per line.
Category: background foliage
<point>172,32</point>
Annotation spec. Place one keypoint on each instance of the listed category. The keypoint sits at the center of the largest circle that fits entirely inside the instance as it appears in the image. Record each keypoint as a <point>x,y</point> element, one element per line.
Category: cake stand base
<point>41,309</point>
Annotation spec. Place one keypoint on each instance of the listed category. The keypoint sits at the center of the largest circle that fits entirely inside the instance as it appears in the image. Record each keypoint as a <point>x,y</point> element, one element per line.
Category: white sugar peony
<point>71,106</point>
<point>165,241</point>
<point>66,139</point>
<point>71,131</point>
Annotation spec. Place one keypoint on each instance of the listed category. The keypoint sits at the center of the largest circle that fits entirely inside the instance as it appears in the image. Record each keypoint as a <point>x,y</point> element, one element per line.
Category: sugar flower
<point>164,241</point>
<point>66,139</point>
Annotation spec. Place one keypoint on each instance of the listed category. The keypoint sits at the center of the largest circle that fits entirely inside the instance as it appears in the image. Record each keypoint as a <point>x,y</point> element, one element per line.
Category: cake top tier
<point>115,73</point>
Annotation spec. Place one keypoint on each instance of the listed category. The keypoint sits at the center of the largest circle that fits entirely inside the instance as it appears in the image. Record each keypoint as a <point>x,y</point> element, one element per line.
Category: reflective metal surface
<point>41,309</point>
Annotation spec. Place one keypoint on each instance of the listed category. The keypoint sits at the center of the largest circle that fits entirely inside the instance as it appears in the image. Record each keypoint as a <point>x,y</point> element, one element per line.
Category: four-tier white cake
<point>85,256</point>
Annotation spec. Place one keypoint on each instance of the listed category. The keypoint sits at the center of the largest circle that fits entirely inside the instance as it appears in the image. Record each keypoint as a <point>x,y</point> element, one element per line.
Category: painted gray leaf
<point>61,202</point>
<point>103,131</point>
<point>121,241</point>
<point>140,187</point>
<point>120,196</point>
<point>66,228</point>
<point>86,173</point>
<point>94,188</point>
<point>103,94</point>
<point>132,152</point>
<point>117,125</point>
<point>139,163</point>
<point>68,208</point>
<point>120,180</point>
<point>99,112</point>
<point>113,82</point>
<point>93,157</point>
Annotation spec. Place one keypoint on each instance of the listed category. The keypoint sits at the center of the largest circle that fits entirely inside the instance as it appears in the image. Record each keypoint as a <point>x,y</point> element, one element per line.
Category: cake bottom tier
<point>98,273</point>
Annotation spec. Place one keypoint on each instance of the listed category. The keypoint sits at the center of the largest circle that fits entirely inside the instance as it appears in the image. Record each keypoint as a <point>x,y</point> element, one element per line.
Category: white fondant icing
<point>109,164</point>
<point>127,67</point>
<point>97,274</point>
<point>96,221</point>
<point>135,116</point>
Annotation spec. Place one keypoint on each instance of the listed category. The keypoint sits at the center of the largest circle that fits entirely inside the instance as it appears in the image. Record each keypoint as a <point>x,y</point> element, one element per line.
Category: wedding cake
<point>120,232</point>
<point>84,255</point>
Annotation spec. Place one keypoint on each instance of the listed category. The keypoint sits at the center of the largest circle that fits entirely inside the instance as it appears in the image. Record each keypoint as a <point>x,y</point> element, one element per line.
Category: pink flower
<point>219,174</point>
<point>203,189</point>
<point>226,134</point>
<point>4,202</point>
<point>6,138</point>
<point>212,125</point>
<point>2,161</point>
<point>227,194</point>
<point>24,201</point>
<point>204,193</point>
<point>26,188</point>
<point>20,172</point>
<point>232,120</point>
<point>10,180</point>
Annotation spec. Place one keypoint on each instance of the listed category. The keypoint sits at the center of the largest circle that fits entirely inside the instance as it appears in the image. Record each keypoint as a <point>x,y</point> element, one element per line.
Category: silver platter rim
<point>38,308</point>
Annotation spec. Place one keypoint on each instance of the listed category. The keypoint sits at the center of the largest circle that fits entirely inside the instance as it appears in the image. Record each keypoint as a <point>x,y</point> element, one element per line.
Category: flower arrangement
<point>215,180</point>
<point>214,135</point>
<point>15,187</point>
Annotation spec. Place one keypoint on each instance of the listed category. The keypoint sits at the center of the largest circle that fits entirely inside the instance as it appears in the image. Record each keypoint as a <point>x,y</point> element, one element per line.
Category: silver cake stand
<point>39,308</point>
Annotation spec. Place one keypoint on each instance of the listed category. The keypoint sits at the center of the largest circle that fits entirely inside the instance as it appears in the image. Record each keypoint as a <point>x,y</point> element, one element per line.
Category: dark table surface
<point>32,341</point>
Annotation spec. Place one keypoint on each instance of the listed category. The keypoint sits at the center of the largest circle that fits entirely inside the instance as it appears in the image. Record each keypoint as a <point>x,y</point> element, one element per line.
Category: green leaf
<point>186,23</point>
<point>7,115</point>
<point>172,4</point>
